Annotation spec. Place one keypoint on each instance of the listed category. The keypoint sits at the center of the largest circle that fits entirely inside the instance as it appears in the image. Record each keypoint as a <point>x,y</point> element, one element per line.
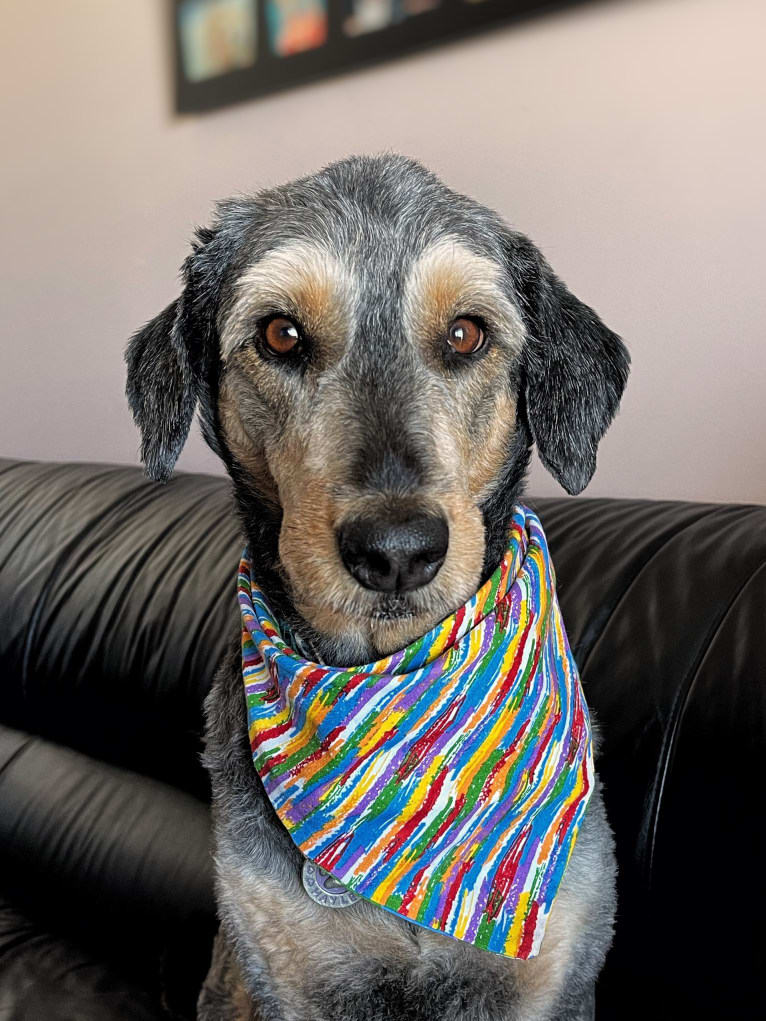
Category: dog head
<point>372,356</point>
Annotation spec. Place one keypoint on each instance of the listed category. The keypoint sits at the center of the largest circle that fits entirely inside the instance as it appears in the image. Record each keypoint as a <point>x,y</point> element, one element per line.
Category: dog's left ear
<point>165,362</point>
<point>574,368</point>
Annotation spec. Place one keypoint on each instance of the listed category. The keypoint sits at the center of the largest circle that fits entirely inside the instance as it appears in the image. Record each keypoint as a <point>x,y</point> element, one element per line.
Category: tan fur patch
<point>449,280</point>
<point>304,281</point>
<point>248,453</point>
<point>484,450</point>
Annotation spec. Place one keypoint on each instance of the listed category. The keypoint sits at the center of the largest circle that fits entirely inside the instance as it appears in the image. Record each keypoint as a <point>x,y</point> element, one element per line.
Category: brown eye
<point>281,335</point>
<point>465,336</point>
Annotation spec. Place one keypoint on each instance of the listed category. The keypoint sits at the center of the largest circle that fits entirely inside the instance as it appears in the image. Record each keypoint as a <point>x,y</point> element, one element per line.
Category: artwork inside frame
<point>228,50</point>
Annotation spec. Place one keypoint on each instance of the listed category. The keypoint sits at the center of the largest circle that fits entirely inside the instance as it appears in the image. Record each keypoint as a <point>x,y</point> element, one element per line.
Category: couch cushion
<point>81,832</point>
<point>106,904</point>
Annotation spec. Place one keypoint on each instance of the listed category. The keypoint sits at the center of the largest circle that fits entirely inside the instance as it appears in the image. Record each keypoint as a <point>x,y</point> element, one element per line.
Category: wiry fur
<point>373,256</point>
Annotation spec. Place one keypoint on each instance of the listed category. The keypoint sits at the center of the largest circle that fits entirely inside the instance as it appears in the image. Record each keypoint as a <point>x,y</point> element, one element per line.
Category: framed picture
<point>227,50</point>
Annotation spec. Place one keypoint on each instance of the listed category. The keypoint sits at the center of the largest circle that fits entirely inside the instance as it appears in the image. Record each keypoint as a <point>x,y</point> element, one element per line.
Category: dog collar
<point>446,782</point>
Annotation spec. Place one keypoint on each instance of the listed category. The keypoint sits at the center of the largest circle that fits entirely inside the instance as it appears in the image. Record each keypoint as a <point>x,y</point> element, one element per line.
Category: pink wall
<point>626,138</point>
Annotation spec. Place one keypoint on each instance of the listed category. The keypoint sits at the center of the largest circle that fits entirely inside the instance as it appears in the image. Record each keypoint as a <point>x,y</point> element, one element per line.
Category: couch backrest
<point>117,601</point>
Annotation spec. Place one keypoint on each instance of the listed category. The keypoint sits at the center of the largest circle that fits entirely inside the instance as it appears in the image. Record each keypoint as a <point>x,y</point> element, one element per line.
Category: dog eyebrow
<point>447,280</point>
<point>300,279</point>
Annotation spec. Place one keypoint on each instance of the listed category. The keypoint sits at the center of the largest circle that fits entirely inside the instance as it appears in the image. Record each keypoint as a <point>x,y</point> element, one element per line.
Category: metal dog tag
<point>325,889</point>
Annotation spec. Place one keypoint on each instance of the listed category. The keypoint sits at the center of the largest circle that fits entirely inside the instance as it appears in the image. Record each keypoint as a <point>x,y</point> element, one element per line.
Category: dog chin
<point>395,623</point>
<point>388,626</point>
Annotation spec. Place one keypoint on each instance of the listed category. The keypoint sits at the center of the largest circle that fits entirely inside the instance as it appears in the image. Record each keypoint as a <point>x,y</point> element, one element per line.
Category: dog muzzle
<point>446,782</point>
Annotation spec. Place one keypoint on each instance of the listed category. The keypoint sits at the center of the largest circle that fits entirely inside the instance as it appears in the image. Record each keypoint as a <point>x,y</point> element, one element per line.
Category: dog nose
<point>394,557</point>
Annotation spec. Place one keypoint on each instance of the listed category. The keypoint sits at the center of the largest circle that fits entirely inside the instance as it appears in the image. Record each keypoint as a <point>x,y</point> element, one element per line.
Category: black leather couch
<point>117,601</point>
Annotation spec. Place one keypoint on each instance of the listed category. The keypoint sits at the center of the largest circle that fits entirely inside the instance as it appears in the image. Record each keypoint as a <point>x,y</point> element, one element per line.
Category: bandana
<point>446,782</point>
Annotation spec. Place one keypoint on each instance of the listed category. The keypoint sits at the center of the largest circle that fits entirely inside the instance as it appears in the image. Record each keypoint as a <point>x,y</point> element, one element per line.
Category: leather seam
<point>17,753</point>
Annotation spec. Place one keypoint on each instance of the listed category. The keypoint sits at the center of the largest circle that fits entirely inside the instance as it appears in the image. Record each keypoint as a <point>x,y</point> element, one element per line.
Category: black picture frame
<point>341,52</point>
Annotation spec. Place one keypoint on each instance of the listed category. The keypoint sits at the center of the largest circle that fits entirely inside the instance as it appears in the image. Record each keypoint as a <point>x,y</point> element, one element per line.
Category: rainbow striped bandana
<point>447,782</point>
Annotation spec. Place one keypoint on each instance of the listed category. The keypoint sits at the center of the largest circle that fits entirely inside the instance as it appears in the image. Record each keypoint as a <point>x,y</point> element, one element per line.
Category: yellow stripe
<point>513,940</point>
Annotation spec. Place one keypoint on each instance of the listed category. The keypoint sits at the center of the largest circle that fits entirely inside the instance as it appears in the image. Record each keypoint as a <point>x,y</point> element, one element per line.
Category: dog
<point>373,357</point>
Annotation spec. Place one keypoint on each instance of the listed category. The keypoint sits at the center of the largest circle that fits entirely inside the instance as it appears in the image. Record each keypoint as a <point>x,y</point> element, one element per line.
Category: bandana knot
<point>446,782</point>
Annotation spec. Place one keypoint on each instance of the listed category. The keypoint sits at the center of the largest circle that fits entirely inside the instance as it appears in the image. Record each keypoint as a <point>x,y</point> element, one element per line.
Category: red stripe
<point>455,627</point>
<point>511,676</point>
<point>411,891</point>
<point>313,678</point>
<point>318,754</point>
<point>358,762</point>
<point>351,683</point>
<point>453,889</point>
<point>502,760</point>
<point>529,931</point>
<point>455,811</point>
<point>423,744</point>
<point>503,613</point>
<point>543,743</point>
<point>501,885</point>
<point>275,760</point>
<point>572,809</point>
<point>276,731</point>
<point>420,814</point>
<point>333,853</point>
<point>578,728</point>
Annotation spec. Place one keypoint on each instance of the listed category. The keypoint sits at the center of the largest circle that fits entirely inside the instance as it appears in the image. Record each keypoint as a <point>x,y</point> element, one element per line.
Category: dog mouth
<point>393,608</point>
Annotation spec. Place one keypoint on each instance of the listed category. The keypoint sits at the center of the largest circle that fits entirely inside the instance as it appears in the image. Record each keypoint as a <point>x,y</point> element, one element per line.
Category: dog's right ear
<point>167,359</point>
<point>161,389</point>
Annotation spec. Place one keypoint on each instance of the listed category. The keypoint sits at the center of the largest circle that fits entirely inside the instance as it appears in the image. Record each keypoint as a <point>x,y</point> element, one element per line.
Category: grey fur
<point>557,368</point>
